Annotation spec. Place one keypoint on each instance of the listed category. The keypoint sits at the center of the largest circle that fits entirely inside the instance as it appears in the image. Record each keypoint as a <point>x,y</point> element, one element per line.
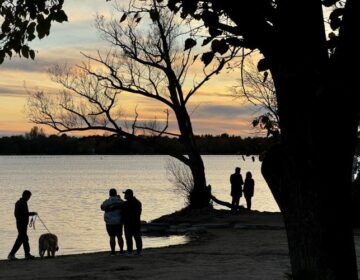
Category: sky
<point>213,110</point>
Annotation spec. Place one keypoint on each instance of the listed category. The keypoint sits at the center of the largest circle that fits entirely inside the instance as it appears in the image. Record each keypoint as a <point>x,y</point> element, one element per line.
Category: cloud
<point>223,111</point>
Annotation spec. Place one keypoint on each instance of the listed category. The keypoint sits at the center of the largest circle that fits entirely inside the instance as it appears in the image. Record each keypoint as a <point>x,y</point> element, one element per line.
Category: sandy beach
<point>253,246</point>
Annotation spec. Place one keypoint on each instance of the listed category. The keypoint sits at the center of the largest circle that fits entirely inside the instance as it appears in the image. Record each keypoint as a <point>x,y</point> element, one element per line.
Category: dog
<point>48,242</point>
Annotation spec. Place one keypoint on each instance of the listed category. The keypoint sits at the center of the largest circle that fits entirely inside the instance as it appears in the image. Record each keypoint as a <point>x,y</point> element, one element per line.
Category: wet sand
<point>253,246</point>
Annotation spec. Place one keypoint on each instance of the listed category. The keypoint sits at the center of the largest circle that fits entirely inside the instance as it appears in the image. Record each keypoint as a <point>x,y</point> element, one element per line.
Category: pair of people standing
<point>119,213</point>
<point>237,189</point>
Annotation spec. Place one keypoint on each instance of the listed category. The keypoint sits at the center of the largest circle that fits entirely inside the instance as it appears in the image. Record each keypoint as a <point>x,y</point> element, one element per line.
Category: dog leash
<point>33,220</point>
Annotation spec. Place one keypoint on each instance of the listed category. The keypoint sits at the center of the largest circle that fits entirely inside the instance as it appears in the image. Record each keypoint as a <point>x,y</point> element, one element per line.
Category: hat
<point>129,192</point>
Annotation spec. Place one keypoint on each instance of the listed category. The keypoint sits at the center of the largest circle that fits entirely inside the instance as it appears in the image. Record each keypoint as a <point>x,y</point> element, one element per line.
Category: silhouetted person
<point>22,220</point>
<point>132,223</point>
<point>249,189</point>
<point>113,219</point>
<point>236,181</point>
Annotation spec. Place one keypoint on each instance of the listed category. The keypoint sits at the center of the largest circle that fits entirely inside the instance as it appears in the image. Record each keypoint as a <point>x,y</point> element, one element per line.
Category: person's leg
<point>111,232</point>
<point>112,244</point>
<point>233,202</point>
<point>26,244</point>
<point>249,203</point>
<point>120,238</point>
<point>128,238</point>
<point>138,240</point>
<point>237,200</point>
<point>16,246</point>
<point>120,242</point>
<point>22,238</point>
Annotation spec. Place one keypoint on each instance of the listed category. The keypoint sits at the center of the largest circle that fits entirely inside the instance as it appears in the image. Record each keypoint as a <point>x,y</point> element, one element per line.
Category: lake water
<point>68,190</point>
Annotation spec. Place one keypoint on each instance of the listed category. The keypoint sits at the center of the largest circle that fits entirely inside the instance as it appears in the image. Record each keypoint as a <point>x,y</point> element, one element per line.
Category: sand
<point>252,247</point>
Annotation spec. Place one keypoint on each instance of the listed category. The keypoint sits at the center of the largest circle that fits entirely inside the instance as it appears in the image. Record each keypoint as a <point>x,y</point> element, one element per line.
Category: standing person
<point>132,213</point>
<point>236,181</point>
<point>113,219</point>
<point>22,220</point>
<point>249,189</point>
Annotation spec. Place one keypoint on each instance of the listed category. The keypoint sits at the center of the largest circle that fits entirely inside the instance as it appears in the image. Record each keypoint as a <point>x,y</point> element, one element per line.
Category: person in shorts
<point>113,219</point>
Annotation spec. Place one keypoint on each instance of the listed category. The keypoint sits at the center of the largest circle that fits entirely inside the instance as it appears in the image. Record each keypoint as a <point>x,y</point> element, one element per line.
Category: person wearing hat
<point>113,219</point>
<point>132,223</point>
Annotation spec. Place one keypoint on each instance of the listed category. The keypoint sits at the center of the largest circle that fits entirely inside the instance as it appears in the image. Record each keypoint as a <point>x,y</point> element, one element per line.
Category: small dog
<point>48,242</point>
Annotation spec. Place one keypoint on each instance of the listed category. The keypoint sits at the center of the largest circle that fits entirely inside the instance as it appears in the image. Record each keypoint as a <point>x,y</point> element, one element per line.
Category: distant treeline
<point>40,144</point>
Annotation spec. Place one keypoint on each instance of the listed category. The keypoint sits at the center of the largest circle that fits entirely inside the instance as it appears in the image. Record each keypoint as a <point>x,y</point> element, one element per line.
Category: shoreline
<point>254,240</point>
<point>253,248</point>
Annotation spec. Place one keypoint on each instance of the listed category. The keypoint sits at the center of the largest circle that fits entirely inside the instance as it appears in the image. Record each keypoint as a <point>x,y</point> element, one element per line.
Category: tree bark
<point>309,172</point>
<point>199,197</point>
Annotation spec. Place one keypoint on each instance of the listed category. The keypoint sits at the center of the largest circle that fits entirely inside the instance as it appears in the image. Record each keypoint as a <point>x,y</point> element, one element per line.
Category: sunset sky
<point>214,110</point>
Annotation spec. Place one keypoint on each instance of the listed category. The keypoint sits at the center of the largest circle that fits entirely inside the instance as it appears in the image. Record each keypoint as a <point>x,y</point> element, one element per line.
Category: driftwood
<point>224,203</point>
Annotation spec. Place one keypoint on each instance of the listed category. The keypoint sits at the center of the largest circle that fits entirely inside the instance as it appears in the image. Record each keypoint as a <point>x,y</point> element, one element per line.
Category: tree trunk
<point>314,204</point>
<point>309,172</point>
<point>199,197</point>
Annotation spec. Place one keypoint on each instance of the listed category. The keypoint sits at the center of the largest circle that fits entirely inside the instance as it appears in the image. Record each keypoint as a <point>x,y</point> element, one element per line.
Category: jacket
<point>236,181</point>
<point>22,212</point>
<point>113,210</point>
<point>132,211</point>
<point>249,187</point>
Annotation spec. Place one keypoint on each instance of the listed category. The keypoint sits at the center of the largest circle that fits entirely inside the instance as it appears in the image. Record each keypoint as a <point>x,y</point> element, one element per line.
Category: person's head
<point>26,195</point>
<point>112,192</point>
<point>248,175</point>
<point>237,170</point>
<point>128,194</point>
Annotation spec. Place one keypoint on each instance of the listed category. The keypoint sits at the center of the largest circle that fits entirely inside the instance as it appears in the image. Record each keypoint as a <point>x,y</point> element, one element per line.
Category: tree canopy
<point>22,21</point>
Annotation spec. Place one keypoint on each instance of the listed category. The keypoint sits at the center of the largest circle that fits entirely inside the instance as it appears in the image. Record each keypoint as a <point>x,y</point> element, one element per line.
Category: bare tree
<point>181,178</point>
<point>258,89</point>
<point>147,59</point>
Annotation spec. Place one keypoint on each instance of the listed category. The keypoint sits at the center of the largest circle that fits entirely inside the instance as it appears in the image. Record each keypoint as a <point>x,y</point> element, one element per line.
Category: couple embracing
<point>119,213</point>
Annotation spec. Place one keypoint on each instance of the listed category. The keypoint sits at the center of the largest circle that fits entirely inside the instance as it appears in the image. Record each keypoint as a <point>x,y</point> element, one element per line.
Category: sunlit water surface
<point>68,190</point>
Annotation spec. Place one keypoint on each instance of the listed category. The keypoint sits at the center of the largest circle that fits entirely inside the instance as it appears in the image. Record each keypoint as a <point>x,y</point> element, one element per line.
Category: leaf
<point>263,65</point>
<point>224,47</point>
<point>25,51</point>
<point>207,41</point>
<point>32,54</point>
<point>123,17</point>
<point>2,56</point>
<point>5,27</point>
<point>31,28</point>
<point>335,18</point>
<point>255,122</point>
<point>214,32</point>
<point>60,16</point>
<point>207,58</point>
<point>189,43</point>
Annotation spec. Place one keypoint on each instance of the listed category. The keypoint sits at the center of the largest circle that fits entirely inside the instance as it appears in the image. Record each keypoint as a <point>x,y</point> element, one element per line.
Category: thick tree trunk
<point>314,202</point>
<point>309,172</point>
<point>199,197</point>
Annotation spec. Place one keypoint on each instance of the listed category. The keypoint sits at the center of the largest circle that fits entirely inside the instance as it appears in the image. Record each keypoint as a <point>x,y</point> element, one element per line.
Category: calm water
<point>68,190</point>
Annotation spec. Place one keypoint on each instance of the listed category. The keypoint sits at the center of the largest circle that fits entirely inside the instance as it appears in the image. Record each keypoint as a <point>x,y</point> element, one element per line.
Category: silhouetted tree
<point>313,80</point>
<point>147,60</point>
<point>23,20</point>
<point>259,90</point>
